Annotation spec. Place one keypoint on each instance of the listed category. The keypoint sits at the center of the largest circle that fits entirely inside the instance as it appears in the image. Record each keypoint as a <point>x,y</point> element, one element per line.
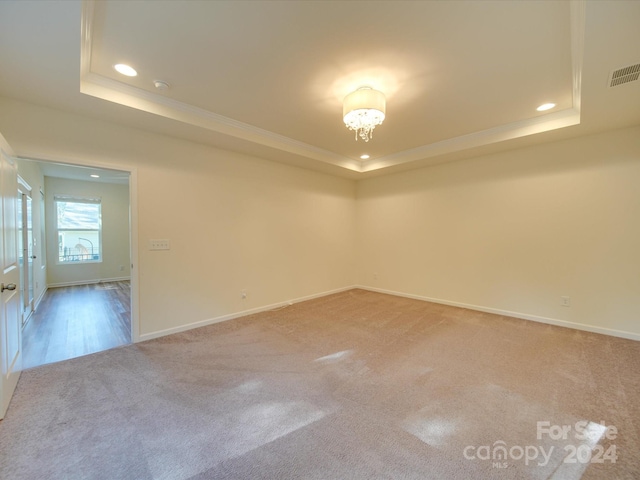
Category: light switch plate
<point>159,244</point>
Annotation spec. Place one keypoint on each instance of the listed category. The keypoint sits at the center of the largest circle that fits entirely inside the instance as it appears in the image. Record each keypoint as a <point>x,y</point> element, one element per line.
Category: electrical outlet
<point>565,301</point>
<point>243,294</point>
<point>122,268</point>
<point>159,244</point>
<point>375,276</point>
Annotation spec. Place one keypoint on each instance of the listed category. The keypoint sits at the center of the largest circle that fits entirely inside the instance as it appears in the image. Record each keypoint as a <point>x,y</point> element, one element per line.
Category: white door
<point>10,329</point>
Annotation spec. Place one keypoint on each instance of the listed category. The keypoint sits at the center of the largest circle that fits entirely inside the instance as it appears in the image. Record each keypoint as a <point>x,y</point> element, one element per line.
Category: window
<point>79,229</point>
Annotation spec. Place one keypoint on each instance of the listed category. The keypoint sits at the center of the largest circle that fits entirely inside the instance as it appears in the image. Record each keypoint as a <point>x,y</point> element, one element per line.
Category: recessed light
<point>125,70</point>
<point>364,157</point>
<point>95,176</point>
<point>545,106</point>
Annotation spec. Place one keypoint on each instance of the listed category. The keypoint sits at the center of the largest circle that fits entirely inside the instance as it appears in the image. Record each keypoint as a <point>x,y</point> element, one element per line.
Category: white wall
<point>514,232</point>
<point>115,233</point>
<point>235,222</point>
<point>32,174</point>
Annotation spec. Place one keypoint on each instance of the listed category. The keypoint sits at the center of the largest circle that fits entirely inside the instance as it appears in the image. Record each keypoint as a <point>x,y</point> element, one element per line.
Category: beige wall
<point>235,222</point>
<point>116,260</point>
<point>511,232</point>
<point>514,232</point>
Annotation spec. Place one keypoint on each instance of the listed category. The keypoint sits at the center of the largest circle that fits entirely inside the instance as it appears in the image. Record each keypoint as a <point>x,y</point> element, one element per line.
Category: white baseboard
<point>88,282</point>
<point>497,311</point>
<point>243,313</point>
<point>523,316</point>
<point>39,299</point>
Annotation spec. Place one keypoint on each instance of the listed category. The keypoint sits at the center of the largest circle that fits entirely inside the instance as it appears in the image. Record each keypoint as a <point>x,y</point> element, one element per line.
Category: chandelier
<point>363,110</point>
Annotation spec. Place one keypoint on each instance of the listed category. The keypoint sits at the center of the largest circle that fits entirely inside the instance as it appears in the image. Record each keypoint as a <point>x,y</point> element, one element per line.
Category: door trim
<point>25,189</point>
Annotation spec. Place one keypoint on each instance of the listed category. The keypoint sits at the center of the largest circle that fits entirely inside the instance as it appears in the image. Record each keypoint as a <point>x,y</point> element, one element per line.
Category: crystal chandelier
<point>363,110</point>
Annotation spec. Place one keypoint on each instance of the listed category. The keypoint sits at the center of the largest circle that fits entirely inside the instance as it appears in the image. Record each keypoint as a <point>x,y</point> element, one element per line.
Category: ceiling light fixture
<point>95,176</point>
<point>545,106</point>
<point>364,157</point>
<point>125,70</point>
<point>363,110</point>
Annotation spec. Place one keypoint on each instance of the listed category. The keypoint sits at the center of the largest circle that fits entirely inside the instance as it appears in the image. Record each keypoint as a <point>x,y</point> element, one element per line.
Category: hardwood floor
<point>75,321</point>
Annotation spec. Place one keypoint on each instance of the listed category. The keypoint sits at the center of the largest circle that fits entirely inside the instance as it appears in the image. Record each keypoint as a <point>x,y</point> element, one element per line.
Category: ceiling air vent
<point>624,75</point>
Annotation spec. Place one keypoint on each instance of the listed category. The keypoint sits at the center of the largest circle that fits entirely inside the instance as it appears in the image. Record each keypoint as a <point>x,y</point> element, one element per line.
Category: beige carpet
<point>350,386</point>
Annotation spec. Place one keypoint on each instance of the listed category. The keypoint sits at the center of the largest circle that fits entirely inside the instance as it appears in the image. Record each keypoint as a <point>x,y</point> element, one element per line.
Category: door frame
<point>133,225</point>
<point>25,190</point>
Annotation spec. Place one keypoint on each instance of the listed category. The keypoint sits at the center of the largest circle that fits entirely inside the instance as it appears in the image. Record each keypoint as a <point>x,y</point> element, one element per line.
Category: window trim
<point>75,199</point>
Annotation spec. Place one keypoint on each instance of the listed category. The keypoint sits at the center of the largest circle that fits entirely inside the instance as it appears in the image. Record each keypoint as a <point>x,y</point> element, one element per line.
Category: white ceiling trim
<point>578,20</point>
<point>523,128</point>
<point>114,91</point>
<point>105,88</point>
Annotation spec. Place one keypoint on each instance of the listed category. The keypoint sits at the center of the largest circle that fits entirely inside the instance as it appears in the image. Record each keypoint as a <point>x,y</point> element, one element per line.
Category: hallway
<point>78,320</point>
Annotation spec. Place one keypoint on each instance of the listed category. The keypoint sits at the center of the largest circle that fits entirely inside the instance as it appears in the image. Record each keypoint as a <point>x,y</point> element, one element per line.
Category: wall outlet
<point>565,301</point>
<point>159,244</point>
<point>375,276</point>
<point>243,294</point>
<point>122,268</point>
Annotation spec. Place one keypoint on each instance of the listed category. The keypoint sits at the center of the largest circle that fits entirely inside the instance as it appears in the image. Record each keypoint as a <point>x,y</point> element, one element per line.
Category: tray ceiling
<point>267,78</point>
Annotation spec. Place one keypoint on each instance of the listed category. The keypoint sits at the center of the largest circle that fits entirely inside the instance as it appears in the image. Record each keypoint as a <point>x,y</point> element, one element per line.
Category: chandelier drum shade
<point>363,110</point>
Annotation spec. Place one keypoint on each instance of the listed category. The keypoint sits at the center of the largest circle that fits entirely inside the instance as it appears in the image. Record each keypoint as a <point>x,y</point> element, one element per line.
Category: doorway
<point>81,273</point>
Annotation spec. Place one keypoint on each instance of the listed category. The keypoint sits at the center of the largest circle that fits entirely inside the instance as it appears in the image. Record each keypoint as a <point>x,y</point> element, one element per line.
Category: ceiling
<point>267,78</point>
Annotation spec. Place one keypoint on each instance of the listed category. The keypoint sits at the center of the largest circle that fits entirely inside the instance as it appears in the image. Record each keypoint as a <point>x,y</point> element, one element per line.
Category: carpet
<point>355,385</point>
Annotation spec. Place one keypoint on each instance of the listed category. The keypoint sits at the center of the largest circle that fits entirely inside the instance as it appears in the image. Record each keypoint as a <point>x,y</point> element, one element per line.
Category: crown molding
<point>510,131</point>
<point>86,37</point>
<point>111,90</point>
<point>578,22</point>
<point>117,92</point>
